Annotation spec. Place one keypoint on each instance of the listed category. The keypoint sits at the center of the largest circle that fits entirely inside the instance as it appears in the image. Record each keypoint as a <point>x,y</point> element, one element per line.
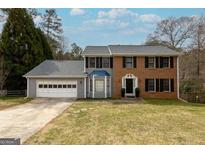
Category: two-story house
<point>105,70</point>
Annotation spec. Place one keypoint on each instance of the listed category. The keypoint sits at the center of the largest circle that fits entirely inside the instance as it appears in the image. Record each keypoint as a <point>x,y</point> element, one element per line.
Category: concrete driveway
<point>24,120</point>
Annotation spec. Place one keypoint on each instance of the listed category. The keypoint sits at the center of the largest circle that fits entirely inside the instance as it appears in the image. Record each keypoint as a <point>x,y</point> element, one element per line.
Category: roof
<point>99,73</point>
<point>141,50</point>
<point>58,68</point>
<point>96,50</point>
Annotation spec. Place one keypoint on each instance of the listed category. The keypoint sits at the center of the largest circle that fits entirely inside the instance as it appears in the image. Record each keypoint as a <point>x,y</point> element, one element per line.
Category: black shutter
<point>134,61</point>
<point>97,62</point>
<point>111,62</point>
<point>146,84</point>
<point>161,62</point>
<point>86,62</point>
<point>172,85</point>
<point>171,62</point>
<point>157,85</point>
<point>161,85</point>
<point>123,62</point>
<point>157,62</point>
<point>146,62</point>
<point>100,60</point>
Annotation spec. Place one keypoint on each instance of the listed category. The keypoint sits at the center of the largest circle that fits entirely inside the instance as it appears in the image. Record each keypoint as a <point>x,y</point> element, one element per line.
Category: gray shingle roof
<point>141,50</point>
<point>96,50</point>
<point>55,68</point>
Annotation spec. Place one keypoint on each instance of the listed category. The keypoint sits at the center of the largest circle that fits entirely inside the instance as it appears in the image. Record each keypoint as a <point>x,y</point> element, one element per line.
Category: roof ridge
<point>109,50</point>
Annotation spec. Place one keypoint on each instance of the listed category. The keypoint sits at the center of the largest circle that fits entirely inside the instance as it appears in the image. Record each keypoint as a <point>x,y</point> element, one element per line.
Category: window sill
<point>159,91</point>
<point>129,68</point>
<point>153,68</point>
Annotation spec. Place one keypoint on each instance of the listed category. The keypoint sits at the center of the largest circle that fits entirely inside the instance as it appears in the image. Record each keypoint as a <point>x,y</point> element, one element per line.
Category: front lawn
<point>8,101</point>
<point>151,121</point>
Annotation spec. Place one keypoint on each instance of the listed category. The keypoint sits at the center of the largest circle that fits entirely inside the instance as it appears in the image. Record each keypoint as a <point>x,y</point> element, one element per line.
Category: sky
<point>114,26</point>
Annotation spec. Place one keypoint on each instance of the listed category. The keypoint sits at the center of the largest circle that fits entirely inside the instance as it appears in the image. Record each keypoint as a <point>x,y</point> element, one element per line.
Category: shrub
<point>191,86</point>
<point>122,92</point>
<point>137,92</point>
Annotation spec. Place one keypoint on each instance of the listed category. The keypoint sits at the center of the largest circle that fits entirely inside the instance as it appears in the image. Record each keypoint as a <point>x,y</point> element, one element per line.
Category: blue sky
<point>114,26</point>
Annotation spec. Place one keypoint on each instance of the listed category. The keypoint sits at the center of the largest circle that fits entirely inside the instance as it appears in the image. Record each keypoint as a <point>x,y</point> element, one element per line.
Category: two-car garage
<point>53,78</point>
<point>55,88</point>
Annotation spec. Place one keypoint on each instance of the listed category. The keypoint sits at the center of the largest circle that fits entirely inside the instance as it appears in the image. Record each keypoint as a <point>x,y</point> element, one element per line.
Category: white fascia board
<point>143,54</point>
<point>94,55</point>
<point>54,76</point>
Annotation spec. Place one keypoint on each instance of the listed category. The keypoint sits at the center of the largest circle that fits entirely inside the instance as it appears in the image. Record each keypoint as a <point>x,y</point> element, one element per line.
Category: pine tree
<point>52,27</point>
<point>23,46</point>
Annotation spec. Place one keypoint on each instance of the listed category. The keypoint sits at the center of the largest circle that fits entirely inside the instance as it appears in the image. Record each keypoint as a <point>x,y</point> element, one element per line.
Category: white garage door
<point>55,88</point>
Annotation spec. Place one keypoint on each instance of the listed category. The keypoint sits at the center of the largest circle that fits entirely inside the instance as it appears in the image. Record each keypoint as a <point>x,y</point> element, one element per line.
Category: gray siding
<point>80,85</point>
<point>32,87</point>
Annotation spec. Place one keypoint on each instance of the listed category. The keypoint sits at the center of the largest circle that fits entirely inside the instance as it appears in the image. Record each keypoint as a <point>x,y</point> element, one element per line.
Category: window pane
<point>45,86</point>
<point>150,62</point>
<point>59,86</point>
<point>105,62</point>
<point>40,86</point>
<point>50,86</point>
<point>92,62</point>
<point>165,61</point>
<point>150,84</point>
<point>73,86</point>
<point>165,85</point>
<point>55,86</point>
<point>99,85</point>
<point>128,62</point>
<point>69,86</point>
<point>64,86</point>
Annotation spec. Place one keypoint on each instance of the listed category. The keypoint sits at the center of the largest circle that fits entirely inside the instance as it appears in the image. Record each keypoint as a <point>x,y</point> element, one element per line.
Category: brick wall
<point>142,73</point>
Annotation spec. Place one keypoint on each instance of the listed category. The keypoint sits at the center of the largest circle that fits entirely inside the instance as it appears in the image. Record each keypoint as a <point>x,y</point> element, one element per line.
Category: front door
<point>129,85</point>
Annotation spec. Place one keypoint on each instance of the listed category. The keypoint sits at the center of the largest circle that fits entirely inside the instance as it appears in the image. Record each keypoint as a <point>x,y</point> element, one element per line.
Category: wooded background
<point>25,44</point>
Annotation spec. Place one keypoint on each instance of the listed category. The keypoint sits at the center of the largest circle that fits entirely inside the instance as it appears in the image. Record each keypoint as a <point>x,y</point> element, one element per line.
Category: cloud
<point>76,12</point>
<point>134,31</point>
<point>99,22</point>
<point>115,13</point>
<point>149,18</point>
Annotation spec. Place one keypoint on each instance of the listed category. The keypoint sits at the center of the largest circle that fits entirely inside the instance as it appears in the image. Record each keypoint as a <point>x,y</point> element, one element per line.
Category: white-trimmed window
<point>105,62</point>
<point>99,85</point>
<point>151,85</point>
<point>165,85</point>
<point>128,62</point>
<point>92,62</point>
<point>151,61</point>
<point>164,62</point>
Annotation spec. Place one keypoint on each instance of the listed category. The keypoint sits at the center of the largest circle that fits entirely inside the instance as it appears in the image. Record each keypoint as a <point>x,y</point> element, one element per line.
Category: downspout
<point>85,87</point>
<point>27,90</point>
<point>178,77</point>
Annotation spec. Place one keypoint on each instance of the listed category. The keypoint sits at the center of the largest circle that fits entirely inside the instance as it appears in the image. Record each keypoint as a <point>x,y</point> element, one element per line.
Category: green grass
<point>151,121</point>
<point>8,101</point>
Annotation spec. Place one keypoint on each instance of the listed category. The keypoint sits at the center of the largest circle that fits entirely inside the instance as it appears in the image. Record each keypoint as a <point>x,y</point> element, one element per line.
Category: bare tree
<point>173,32</point>
<point>198,42</point>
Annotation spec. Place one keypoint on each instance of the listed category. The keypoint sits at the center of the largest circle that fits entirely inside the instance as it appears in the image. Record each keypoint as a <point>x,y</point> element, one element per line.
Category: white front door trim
<point>135,83</point>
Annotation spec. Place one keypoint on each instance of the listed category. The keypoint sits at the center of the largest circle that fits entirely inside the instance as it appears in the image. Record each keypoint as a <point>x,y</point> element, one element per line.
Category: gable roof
<point>58,68</point>
<point>96,50</point>
<point>140,50</point>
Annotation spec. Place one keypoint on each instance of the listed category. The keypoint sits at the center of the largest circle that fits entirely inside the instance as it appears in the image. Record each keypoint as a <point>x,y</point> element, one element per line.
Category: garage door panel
<point>55,88</point>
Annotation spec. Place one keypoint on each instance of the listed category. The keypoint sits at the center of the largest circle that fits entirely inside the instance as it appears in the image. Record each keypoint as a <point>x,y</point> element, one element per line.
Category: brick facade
<point>142,73</point>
